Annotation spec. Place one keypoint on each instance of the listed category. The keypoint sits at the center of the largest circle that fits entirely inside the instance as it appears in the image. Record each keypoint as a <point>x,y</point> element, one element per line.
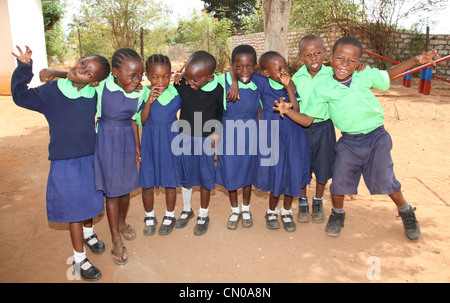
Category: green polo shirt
<point>354,109</point>
<point>305,83</point>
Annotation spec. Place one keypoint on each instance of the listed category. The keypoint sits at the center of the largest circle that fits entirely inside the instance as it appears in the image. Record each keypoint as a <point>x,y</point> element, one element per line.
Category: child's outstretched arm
<point>424,58</point>
<point>286,109</point>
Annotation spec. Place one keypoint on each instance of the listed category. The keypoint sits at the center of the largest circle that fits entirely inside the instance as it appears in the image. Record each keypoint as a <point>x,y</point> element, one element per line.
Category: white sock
<point>88,231</point>
<point>168,214</point>
<point>203,212</point>
<point>150,215</point>
<point>234,211</point>
<point>245,216</point>
<point>187,194</point>
<point>79,256</point>
<point>286,212</point>
<point>272,214</point>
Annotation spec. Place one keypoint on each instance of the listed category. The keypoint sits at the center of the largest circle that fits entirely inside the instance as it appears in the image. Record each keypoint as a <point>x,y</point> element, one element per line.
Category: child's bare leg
<point>320,188</point>
<point>148,199</point>
<point>171,198</point>
<point>246,195</point>
<point>273,201</point>
<point>127,232</point>
<point>76,235</point>
<point>112,212</point>
<point>233,198</point>
<point>398,198</point>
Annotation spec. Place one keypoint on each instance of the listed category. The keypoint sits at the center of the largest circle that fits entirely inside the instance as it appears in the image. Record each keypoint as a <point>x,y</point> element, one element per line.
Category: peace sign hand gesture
<point>23,57</point>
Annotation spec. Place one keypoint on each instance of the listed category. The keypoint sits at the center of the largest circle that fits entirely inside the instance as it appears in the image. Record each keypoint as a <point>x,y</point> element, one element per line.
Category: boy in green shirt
<point>320,134</point>
<point>365,145</point>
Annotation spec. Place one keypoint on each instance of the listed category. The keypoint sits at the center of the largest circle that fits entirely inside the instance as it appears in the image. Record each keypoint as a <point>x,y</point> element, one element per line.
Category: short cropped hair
<point>243,49</point>
<point>204,59</point>
<point>309,38</point>
<point>348,40</point>
<point>266,57</point>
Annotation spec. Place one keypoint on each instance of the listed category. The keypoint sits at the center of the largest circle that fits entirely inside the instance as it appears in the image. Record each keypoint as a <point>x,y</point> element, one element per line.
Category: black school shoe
<point>87,271</point>
<point>335,223</point>
<point>165,229</point>
<point>410,223</point>
<point>94,244</point>
<point>201,228</point>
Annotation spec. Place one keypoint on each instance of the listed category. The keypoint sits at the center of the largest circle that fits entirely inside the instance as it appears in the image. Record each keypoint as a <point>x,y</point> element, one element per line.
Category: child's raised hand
<point>45,75</point>
<point>285,78</point>
<point>25,58</point>
<point>427,57</point>
<point>282,106</point>
<point>154,94</point>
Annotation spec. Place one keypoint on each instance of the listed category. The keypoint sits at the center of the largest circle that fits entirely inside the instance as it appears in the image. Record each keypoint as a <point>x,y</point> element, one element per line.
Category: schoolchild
<point>159,166</point>
<point>283,168</point>
<point>320,134</point>
<point>236,163</point>
<point>200,116</point>
<point>69,105</point>
<point>117,152</point>
<point>365,145</point>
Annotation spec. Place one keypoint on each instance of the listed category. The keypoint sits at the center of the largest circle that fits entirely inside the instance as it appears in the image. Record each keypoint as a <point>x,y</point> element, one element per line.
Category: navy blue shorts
<point>366,154</point>
<point>321,139</point>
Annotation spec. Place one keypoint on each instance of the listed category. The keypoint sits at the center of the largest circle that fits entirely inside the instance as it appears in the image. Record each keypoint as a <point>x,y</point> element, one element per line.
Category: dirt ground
<point>372,247</point>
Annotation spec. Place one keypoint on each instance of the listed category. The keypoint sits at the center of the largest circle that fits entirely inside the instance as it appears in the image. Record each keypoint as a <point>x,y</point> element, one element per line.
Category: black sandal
<point>89,272</point>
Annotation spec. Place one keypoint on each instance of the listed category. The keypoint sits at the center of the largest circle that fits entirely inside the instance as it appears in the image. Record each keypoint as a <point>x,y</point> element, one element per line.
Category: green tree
<point>204,32</point>
<point>234,10</point>
<point>125,18</point>
<point>53,12</point>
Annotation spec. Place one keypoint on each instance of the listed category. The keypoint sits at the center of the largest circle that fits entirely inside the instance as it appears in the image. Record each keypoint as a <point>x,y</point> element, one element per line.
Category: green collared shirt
<point>354,109</point>
<point>167,95</point>
<point>305,84</point>
<point>71,92</point>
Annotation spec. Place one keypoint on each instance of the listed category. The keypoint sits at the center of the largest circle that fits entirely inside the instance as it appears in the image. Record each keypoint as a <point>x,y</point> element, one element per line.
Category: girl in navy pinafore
<point>160,167</point>
<point>117,149</point>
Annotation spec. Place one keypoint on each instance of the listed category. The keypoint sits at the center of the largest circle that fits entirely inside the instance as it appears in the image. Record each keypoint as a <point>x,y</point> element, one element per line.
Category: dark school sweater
<point>71,121</point>
<point>209,105</point>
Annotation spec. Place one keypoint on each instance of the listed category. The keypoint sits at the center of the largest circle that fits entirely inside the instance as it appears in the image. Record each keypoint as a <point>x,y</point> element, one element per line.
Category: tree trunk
<point>276,21</point>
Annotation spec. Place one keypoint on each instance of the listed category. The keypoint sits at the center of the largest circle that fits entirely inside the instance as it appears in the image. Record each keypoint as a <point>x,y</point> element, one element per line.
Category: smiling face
<point>129,75</point>
<point>197,76</point>
<point>87,70</point>
<point>274,66</point>
<point>344,60</point>
<point>312,54</point>
<point>244,67</point>
<point>159,76</point>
